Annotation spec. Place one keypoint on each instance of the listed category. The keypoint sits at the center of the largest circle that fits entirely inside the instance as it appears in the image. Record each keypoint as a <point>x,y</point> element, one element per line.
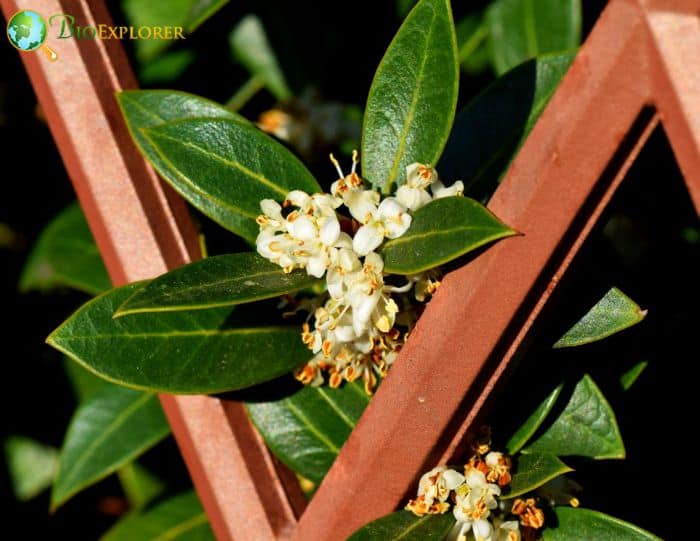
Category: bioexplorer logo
<point>28,31</point>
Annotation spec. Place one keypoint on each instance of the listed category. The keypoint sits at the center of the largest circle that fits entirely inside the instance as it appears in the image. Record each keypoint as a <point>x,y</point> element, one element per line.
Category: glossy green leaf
<point>166,68</point>
<point>251,48</point>
<point>223,280</point>
<point>224,168</point>
<point>577,524</point>
<point>140,485</point>
<point>31,466</point>
<point>412,99</point>
<point>108,430</point>
<point>83,382</point>
<point>611,314</point>
<point>441,231</point>
<point>474,45</point>
<point>307,429</point>
<point>531,471</point>
<point>188,14</point>
<point>406,526</point>
<point>65,255</point>
<point>149,108</point>
<point>587,427</point>
<point>523,434</point>
<point>491,128</point>
<point>524,29</point>
<point>180,518</point>
<point>199,352</point>
<point>630,376</point>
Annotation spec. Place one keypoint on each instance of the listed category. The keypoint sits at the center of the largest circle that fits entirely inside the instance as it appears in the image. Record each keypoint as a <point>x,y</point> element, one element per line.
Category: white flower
<point>438,483</point>
<point>413,194</point>
<point>439,190</point>
<point>482,530</point>
<point>305,237</point>
<point>508,531</point>
<point>390,220</point>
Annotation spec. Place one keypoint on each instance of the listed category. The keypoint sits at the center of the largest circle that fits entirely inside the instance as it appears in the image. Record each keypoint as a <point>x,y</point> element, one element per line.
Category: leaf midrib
<point>393,173</point>
<point>428,234</point>
<point>169,334</point>
<point>178,529</point>
<point>313,429</point>
<point>119,420</point>
<point>236,165</point>
<point>137,306</point>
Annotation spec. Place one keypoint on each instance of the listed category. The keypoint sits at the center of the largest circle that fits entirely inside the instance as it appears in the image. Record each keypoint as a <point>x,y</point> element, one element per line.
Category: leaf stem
<point>245,93</point>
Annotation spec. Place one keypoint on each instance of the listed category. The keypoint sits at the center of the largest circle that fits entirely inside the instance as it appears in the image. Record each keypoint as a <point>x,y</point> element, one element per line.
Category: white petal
<point>439,190</point>
<point>344,333</point>
<point>412,198</point>
<point>482,530</point>
<point>317,265</point>
<point>395,228</point>
<point>362,204</point>
<point>303,228</point>
<point>475,479</point>
<point>374,261</point>
<point>390,208</point>
<point>334,283</point>
<point>330,230</point>
<point>362,310</point>
<point>367,238</point>
<point>461,516</point>
<point>344,241</point>
<point>453,479</point>
<point>298,198</point>
<point>271,208</point>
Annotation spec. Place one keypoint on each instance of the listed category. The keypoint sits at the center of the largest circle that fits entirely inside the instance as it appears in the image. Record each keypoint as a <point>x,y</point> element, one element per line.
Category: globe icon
<point>26,30</point>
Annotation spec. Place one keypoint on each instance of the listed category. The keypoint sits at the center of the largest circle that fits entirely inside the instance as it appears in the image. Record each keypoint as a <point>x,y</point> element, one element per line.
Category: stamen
<point>402,289</point>
<point>337,166</point>
<point>354,160</point>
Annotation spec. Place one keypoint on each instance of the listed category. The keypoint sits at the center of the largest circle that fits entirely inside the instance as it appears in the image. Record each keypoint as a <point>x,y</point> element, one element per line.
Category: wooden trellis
<point>640,66</point>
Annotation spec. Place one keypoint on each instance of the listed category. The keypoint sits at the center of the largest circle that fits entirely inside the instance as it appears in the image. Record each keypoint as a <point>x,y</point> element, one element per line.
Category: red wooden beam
<point>553,193</point>
<point>142,229</point>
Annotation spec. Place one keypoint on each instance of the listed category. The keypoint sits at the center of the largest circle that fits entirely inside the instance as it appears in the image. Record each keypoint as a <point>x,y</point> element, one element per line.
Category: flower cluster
<point>355,332</point>
<point>474,495</point>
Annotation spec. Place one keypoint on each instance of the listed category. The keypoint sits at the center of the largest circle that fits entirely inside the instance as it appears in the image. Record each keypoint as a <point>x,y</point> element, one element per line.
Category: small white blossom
<point>508,531</point>
<point>390,220</point>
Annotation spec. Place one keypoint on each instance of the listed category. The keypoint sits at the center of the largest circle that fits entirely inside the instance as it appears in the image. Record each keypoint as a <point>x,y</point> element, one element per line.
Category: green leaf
<point>523,434</point>
<point>149,108</point>
<point>307,429</point>
<point>491,128</point>
<point>249,45</point>
<point>140,485</point>
<point>31,466</point>
<point>441,231</point>
<point>406,526</point>
<point>65,256</point>
<point>188,14</point>
<point>587,427</point>
<point>524,29</point>
<point>223,280</point>
<point>630,376</point>
<point>108,430</point>
<point>613,313</point>
<point>180,518</point>
<point>533,471</point>
<point>474,46</point>
<point>83,382</point>
<point>576,524</point>
<point>224,168</point>
<point>412,100</point>
<point>166,68</point>
<point>200,352</point>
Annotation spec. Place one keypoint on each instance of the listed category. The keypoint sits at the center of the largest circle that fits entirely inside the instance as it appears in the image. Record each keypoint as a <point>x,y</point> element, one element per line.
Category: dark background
<point>644,246</point>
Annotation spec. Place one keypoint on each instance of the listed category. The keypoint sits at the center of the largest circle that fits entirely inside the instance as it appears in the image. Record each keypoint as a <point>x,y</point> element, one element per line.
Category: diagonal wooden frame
<point>631,73</point>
